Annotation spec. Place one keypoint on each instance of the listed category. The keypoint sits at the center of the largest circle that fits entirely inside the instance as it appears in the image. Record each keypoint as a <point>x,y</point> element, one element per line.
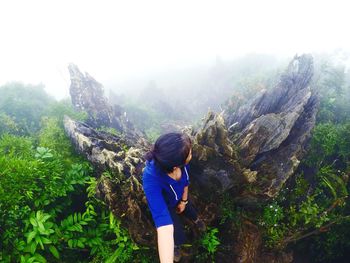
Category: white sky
<point>115,40</point>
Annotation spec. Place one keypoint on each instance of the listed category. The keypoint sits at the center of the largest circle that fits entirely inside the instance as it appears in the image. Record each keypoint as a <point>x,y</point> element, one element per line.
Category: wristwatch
<point>184,201</point>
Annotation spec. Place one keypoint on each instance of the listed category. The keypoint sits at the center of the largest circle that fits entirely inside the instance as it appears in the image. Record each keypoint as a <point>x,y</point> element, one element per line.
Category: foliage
<point>272,221</point>
<point>329,157</point>
<point>324,142</point>
<point>317,196</point>
<point>295,213</point>
<point>37,225</point>
<point>146,118</point>
<point>22,107</point>
<point>8,124</point>
<point>330,246</point>
<point>109,130</point>
<point>59,109</point>
<point>314,203</point>
<point>52,136</point>
<point>32,179</point>
<point>209,242</point>
<point>44,185</point>
<point>152,134</point>
<point>16,146</point>
<point>332,82</point>
<point>229,213</point>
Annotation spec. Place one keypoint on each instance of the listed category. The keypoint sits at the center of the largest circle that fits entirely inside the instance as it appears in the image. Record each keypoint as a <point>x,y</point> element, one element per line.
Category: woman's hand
<point>180,207</point>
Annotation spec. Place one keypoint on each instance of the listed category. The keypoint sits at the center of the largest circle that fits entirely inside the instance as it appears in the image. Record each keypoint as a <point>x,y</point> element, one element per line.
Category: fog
<point>124,44</point>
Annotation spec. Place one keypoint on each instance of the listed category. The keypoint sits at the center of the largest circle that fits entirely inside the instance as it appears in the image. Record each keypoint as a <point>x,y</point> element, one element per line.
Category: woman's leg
<point>190,212</point>
<point>179,234</point>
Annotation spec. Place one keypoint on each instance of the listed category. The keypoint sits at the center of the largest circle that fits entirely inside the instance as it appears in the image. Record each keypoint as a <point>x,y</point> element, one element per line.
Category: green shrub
<point>209,243</point>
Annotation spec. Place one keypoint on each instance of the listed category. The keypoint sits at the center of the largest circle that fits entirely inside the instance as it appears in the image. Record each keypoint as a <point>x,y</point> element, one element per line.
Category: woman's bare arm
<point>166,243</point>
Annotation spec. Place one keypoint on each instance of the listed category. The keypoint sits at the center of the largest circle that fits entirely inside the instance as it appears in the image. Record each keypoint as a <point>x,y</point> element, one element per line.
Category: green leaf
<point>80,244</point>
<point>48,225</point>
<point>33,247</point>
<point>54,252</point>
<point>329,185</point>
<point>33,221</point>
<point>43,153</point>
<point>45,217</point>
<point>21,245</point>
<point>115,255</point>
<point>111,220</point>
<point>70,219</point>
<point>70,243</point>
<point>39,215</point>
<point>46,240</point>
<point>341,184</point>
<point>40,258</point>
<point>93,213</point>
<point>30,236</point>
<point>38,241</point>
<point>41,227</point>
<point>94,250</point>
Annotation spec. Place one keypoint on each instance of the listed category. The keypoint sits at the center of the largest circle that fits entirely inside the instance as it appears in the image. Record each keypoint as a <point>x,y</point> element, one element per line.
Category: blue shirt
<point>162,192</point>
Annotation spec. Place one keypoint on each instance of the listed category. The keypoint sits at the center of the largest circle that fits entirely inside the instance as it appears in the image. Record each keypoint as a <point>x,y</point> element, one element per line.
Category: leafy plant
<point>209,242</point>
<point>272,222</point>
<point>228,210</point>
<point>39,230</point>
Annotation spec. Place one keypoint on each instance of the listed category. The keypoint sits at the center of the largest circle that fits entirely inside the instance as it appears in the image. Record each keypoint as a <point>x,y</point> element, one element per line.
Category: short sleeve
<point>156,202</point>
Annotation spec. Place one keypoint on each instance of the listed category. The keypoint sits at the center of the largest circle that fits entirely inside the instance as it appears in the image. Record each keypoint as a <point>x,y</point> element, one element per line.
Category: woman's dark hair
<point>170,150</point>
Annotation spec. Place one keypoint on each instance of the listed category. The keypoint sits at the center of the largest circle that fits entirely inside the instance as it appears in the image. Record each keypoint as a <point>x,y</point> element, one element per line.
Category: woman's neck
<point>175,174</point>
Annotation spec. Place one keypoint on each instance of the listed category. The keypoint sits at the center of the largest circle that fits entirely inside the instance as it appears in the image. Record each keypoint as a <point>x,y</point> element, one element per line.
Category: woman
<point>165,183</point>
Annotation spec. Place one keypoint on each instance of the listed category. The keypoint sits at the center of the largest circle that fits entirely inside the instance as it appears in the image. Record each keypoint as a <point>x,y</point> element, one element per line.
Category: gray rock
<point>88,95</point>
<point>272,131</point>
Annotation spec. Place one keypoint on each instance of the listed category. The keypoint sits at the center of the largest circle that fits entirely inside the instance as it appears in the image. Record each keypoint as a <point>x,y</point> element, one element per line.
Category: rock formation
<point>260,145</point>
<point>88,95</point>
<point>273,130</point>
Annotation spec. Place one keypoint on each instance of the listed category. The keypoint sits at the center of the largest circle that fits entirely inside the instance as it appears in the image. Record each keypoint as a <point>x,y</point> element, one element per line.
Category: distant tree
<point>24,105</point>
<point>332,82</point>
<point>7,124</point>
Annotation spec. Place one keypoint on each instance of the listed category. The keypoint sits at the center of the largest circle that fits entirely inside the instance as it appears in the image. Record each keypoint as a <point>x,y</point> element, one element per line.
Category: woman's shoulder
<point>150,172</point>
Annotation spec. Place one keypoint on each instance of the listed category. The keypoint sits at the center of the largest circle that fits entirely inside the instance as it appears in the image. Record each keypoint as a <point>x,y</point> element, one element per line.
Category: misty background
<point>126,45</point>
